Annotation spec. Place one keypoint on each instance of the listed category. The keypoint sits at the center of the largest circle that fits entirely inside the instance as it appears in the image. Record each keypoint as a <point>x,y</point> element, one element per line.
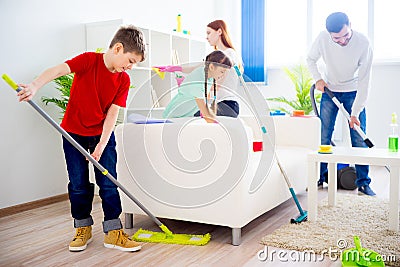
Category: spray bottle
<point>394,136</point>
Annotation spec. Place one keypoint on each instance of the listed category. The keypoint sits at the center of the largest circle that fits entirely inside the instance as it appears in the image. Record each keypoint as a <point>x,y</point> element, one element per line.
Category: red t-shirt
<point>93,91</point>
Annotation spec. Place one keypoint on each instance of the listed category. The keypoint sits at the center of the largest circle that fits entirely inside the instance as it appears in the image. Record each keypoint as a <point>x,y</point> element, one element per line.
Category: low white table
<point>353,155</point>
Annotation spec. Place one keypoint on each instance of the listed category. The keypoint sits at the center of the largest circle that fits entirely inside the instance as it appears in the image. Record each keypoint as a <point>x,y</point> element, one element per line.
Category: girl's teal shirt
<point>183,104</point>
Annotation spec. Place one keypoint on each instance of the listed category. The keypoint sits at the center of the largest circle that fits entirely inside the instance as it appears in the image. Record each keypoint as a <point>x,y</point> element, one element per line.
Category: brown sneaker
<point>82,237</point>
<point>118,239</point>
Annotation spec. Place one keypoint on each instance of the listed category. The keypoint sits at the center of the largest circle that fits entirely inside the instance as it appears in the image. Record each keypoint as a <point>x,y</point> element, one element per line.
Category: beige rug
<point>335,227</point>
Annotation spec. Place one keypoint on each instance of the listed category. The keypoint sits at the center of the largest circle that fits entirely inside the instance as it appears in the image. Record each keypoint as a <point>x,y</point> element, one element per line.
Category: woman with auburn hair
<point>227,100</point>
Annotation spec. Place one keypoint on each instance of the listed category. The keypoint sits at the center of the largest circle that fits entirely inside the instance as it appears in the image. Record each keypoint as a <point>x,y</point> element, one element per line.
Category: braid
<point>206,66</point>
<point>214,103</point>
<point>217,58</point>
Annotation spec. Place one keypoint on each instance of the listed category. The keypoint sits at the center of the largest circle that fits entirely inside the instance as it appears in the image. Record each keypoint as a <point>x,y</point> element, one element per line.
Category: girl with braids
<point>227,101</point>
<point>194,91</point>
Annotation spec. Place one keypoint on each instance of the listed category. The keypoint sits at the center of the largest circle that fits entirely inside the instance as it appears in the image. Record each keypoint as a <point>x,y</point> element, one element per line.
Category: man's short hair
<point>336,21</point>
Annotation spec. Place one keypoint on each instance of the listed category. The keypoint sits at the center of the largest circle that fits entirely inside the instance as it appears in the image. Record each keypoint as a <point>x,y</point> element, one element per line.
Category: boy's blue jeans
<point>81,191</point>
<point>328,113</point>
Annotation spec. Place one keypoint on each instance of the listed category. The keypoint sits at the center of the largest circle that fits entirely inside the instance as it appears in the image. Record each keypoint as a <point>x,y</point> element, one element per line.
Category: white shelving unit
<point>161,49</point>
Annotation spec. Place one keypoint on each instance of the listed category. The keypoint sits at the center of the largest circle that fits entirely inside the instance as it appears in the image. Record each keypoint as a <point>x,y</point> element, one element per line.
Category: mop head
<point>301,218</point>
<point>169,238</point>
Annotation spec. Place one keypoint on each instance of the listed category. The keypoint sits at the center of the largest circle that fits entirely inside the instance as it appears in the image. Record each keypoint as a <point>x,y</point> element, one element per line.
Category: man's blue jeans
<point>81,191</point>
<point>328,114</point>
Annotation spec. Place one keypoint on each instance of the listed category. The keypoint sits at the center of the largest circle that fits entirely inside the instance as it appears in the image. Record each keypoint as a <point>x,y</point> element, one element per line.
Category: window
<point>386,24</point>
<point>286,38</point>
<point>292,25</point>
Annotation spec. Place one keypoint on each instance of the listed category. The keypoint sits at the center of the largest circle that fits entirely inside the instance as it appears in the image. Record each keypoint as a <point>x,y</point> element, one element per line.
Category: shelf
<point>100,34</point>
<point>162,49</point>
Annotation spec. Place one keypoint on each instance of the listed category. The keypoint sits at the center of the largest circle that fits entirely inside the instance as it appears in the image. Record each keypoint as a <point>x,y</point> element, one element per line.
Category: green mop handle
<point>302,212</point>
<point>82,150</point>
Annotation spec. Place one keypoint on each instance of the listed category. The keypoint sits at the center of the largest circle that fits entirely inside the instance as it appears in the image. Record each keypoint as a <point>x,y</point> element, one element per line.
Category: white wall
<point>230,12</point>
<point>383,101</point>
<point>37,34</point>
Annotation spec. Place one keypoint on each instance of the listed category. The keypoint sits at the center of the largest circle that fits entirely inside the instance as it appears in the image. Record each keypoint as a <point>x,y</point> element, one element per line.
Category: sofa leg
<point>236,236</point>
<point>128,220</point>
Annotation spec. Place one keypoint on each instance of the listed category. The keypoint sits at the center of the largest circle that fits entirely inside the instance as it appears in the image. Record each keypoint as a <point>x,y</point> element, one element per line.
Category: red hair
<point>226,39</point>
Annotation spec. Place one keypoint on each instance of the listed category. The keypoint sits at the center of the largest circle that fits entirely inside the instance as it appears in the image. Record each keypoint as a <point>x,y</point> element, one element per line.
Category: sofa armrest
<point>287,130</point>
<point>297,131</point>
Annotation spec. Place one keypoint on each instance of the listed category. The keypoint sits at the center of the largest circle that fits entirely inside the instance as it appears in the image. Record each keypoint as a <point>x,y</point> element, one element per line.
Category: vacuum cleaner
<point>346,174</point>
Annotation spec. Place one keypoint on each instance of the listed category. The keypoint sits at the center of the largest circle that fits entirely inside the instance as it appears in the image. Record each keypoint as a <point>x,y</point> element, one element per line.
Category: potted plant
<point>63,85</point>
<point>302,80</point>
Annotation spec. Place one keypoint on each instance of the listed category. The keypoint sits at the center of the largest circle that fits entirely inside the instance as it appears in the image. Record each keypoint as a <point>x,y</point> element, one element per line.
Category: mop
<point>303,213</point>
<point>141,235</point>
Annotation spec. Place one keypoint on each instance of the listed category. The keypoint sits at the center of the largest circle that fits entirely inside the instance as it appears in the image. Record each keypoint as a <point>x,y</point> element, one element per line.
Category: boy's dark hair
<point>219,59</point>
<point>336,21</point>
<point>132,39</point>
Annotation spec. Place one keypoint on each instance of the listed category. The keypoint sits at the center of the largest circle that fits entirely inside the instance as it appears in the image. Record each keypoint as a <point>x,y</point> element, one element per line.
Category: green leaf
<point>302,81</point>
<point>63,85</point>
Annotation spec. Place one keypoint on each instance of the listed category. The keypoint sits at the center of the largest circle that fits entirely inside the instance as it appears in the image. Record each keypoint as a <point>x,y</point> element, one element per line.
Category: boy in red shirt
<point>100,87</point>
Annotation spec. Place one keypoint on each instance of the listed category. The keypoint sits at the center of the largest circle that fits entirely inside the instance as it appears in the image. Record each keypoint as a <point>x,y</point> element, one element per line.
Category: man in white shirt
<point>347,55</point>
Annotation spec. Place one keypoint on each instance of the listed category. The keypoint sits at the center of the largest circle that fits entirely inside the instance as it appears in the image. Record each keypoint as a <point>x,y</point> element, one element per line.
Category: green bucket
<point>360,256</point>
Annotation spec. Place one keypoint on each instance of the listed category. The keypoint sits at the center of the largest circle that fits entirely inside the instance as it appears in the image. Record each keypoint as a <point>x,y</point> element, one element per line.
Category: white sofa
<point>208,173</point>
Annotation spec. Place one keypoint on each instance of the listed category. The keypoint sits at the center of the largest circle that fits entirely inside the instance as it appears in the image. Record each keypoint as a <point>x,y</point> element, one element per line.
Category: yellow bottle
<point>179,23</point>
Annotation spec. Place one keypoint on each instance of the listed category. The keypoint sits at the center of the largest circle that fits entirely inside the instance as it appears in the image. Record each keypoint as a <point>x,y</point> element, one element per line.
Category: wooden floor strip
<point>32,205</point>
